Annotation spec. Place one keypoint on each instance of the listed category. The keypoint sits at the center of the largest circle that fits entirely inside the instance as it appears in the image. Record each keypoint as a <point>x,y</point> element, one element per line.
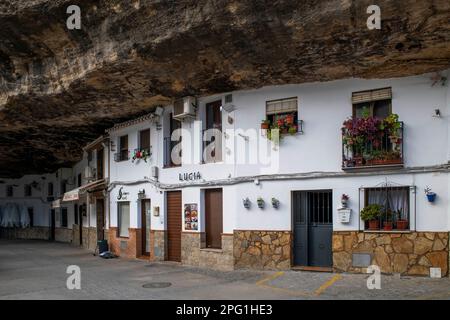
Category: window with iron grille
<point>396,207</point>
<point>123,210</point>
<point>144,140</point>
<point>123,153</point>
<point>282,114</point>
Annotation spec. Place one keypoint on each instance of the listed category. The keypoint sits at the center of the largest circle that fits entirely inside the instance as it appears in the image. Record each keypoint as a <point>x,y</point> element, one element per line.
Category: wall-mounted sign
<point>122,195</point>
<point>192,176</point>
<point>190,216</point>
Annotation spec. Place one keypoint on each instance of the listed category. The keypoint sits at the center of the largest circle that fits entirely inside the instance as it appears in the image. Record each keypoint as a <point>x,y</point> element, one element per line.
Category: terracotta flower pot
<point>387,226</point>
<point>290,119</point>
<point>374,225</point>
<point>402,224</point>
<point>264,126</point>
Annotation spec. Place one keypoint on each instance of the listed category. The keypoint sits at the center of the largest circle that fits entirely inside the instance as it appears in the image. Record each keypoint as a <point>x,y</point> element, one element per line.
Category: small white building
<point>254,203</point>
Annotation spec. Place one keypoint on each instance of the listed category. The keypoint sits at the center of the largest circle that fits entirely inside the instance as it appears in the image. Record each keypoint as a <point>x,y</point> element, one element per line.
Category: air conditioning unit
<point>184,108</point>
<point>89,173</point>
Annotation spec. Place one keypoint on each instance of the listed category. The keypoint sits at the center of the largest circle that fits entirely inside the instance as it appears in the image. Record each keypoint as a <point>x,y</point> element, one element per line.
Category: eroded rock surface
<point>61,88</point>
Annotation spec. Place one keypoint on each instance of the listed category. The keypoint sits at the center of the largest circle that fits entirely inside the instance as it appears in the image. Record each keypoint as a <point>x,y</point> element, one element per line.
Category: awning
<point>74,195</point>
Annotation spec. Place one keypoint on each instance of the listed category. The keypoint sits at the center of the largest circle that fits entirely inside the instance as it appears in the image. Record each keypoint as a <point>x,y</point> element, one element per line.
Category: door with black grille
<point>313,228</point>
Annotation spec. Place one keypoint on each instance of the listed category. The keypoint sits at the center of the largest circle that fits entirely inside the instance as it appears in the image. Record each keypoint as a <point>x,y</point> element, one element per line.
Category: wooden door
<point>174,211</point>
<point>213,218</point>
<point>52,224</point>
<point>145,226</point>
<point>100,211</point>
<point>100,162</point>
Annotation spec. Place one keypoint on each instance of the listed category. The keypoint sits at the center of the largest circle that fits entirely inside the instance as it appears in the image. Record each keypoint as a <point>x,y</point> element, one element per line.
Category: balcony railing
<point>382,147</point>
<point>121,156</point>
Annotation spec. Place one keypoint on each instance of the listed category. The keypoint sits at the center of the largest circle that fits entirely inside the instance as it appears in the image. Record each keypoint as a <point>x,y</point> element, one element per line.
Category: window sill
<point>388,231</point>
<point>215,250</point>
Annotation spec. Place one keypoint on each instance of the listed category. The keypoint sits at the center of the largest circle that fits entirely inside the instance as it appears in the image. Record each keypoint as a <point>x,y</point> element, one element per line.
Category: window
<point>282,114</point>
<point>63,186</point>
<point>122,155</point>
<point>79,180</point>
<point>27,190</point>
<point>144,140</point>
<point>50,189</point>
<point>31,215</point>
<point>172,148</point>
<point>64,217</point>
<point>373,103</point>
<point>394,204</point>
<point>9,191</point>
<point>124,218</point>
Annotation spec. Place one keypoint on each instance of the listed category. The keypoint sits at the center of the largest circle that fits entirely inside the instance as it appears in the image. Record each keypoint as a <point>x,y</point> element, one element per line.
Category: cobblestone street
<point>37,270</point>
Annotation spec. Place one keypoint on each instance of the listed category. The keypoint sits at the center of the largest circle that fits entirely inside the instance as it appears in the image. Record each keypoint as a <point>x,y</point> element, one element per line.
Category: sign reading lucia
<point>192,176</point>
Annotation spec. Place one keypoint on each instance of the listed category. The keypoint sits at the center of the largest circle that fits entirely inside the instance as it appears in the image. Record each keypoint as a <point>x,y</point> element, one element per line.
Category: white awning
<point>72,195</point>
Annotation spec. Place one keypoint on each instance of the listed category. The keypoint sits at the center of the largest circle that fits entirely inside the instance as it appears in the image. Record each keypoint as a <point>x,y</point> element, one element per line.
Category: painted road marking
<point>327,284</point>
<point>318,292</point>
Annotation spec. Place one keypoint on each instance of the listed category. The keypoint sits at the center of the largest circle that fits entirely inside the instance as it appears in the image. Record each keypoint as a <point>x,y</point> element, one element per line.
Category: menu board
<point>191,216</point>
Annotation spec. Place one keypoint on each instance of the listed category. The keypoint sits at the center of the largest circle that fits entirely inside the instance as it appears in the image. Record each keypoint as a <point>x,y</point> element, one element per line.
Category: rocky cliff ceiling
<point>61,88</point>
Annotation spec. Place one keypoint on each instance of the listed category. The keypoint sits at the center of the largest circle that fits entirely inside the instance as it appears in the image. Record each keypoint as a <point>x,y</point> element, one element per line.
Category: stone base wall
<point>63,235</point>
<point>89,238</point>
<point>125,247</point>
<point>194,253</point>
<point>405,253</point>
<point>32,233</point>
<point>158,245</point>
<point>262,249</point>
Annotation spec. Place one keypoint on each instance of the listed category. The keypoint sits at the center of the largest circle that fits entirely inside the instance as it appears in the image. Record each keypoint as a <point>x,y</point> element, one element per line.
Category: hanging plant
<point>140,155</point>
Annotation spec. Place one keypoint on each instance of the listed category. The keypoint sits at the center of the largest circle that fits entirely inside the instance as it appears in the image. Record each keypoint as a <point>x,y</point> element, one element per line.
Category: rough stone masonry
<point>61,88</point>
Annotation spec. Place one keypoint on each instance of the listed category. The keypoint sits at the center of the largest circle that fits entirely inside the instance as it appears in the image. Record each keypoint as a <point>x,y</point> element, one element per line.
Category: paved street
<point>37,270</point>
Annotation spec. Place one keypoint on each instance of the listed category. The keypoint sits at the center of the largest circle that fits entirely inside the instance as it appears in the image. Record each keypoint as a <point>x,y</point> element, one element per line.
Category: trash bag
<point>107,255</point>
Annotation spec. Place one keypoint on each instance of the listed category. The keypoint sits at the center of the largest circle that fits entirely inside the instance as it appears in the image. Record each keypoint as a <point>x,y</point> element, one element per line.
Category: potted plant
<point>289,119</point>
<point>140,155</point>
<point>246,203</point>
<point>387,223</point>
<point>265,124</point>
<point>431,196</point>
<point>344,200</point>
<point>292,130</point>
<point>402,224</point>
<point>371,213</point>
<point>260,202</point>
<point>275,203</point>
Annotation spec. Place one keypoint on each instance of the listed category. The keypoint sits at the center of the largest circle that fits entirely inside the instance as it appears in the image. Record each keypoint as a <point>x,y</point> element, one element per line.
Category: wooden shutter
<point>144,139</point>
<point>371,95</point>
<point>281,106</point>
<point>174,217</point>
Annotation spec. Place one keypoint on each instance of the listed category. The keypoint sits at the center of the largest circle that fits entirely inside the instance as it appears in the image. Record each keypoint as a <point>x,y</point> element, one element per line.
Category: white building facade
<point>239,208</point>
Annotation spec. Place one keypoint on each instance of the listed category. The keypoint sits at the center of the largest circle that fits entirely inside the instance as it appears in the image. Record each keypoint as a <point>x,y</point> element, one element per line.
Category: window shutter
<point>281,106</point>
<point>371,95</point>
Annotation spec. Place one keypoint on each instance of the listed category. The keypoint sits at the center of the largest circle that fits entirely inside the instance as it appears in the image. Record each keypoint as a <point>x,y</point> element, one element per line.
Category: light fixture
<point>228,107</point>
<point>437,113</point>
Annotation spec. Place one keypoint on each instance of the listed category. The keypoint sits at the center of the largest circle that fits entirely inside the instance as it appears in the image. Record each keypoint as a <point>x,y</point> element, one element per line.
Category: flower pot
<point>265,126</point>
<point>374,225</point>
<point>431,196</point>
<point>289,120</point>
<point>387,225</point>
<point>358,161</point>
<point>402,224</point>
